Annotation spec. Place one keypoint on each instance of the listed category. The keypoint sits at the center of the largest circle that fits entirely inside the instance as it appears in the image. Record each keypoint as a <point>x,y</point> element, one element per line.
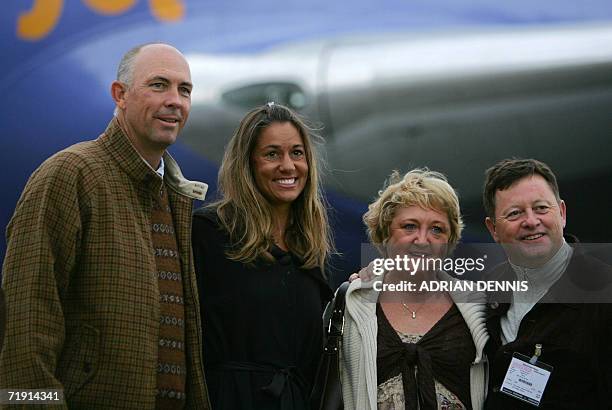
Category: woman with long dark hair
<point>259,255</point>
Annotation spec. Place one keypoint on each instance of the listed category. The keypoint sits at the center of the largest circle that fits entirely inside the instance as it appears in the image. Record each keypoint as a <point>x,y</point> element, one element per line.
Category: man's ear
<point>118,92</point>
<point>491,227</point>
<point>563,211</point>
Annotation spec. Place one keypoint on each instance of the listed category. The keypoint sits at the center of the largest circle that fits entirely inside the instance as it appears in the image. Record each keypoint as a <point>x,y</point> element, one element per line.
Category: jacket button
<point>87,367</point>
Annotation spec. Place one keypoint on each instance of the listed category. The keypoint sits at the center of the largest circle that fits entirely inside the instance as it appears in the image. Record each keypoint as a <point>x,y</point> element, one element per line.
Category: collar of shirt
<point>546,275</point>
<point>160,169</point>
<point>539,281</point>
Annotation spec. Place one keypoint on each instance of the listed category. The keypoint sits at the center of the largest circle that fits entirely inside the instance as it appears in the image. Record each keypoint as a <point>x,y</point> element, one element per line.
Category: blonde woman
<point>413,349</point>
<point>259,255</point>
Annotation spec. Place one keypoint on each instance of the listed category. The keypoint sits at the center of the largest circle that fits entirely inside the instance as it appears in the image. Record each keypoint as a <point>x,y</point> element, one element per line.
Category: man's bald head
<point>125,71</point>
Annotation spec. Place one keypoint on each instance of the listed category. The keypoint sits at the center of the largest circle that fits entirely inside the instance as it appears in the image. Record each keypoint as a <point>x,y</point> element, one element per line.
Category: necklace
<point>413,312</point>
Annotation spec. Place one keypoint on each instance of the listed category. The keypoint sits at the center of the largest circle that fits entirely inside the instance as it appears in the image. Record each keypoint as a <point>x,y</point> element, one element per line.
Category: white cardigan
<point>358,359</point>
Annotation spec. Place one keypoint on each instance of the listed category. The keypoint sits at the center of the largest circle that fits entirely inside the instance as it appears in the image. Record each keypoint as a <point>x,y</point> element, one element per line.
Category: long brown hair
<point>247,215</point>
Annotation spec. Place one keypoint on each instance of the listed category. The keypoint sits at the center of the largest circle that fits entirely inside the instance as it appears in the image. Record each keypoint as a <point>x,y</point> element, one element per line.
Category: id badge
<point>526,379</point>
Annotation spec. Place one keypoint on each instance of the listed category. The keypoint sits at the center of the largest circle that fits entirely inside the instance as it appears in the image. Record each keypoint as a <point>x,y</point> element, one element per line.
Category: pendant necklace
<point>413,312</point>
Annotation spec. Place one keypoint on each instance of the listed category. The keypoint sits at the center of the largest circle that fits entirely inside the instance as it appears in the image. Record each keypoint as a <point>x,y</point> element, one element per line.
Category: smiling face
<point>154,108</point>
<point>279,164</point>
<point>418,232</point>
<point>528,221</point>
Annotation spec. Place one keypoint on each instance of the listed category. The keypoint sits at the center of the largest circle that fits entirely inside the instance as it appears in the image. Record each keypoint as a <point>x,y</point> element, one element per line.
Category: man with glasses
<point>549,347</point>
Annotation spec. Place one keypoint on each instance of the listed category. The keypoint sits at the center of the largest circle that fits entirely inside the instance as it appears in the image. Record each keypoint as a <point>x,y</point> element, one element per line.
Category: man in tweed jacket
<point>82,275</point>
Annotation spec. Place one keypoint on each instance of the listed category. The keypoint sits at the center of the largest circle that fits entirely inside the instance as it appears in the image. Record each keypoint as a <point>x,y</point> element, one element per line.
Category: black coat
<point>576,340</point>
<point>262,324</point>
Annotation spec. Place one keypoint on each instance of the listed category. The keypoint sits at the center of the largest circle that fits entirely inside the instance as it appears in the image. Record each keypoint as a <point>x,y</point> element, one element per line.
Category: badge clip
<point>536,354</point>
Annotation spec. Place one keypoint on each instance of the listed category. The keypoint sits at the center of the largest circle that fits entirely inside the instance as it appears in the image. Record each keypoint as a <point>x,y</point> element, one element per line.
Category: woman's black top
<point>261,323</point>
<point>444,353</point>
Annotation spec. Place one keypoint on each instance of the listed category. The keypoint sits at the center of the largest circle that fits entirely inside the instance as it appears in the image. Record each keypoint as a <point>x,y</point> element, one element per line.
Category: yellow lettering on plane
<point>110,7</point>
<point>40,20</point>
<point>167,10</point>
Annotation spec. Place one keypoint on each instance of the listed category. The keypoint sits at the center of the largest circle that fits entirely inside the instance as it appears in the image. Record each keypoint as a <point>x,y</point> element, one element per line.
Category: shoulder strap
<point>335,328</point>
<point>327,390</point>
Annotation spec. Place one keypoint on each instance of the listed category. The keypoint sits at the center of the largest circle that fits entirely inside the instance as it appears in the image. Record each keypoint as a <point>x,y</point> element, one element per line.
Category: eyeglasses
<point>516,214</point>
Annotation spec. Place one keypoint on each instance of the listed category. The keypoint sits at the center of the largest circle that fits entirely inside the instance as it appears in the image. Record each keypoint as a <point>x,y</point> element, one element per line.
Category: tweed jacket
<point>359,344</point>
<point>81,282</point>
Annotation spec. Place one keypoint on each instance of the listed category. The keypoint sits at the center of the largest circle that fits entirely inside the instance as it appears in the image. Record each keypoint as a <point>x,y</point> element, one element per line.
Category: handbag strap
<point>327,390</point>
<point>335,328</point>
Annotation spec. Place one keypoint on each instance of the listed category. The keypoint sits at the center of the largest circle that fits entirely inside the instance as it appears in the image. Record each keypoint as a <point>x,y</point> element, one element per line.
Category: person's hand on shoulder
<point>365,274</point>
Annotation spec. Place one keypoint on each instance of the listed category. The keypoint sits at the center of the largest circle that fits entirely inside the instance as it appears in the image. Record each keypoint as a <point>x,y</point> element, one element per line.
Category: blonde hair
<point>421,187</point>
<point>247,215</point>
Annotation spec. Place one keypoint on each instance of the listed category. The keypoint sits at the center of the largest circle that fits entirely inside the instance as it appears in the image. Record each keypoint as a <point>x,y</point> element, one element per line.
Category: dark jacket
<point>575,338</point>
<point>264,328</point>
